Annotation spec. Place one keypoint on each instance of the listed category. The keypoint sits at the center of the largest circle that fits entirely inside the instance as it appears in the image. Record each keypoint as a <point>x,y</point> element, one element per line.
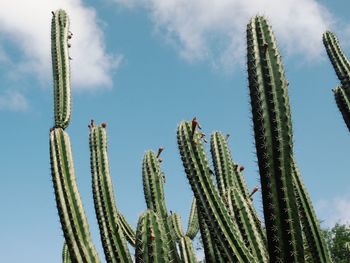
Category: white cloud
<point>215,30</point>
<point>13,101</point>
<point>26,25</point>
<point>336,210</point>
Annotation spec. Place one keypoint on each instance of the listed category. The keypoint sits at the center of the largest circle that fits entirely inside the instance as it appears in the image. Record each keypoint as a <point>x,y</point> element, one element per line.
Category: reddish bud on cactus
<point>255,189</point>
<point>160,151</point>
<point>103,124</point>
<point>241,168</point>
<point>153,236</point>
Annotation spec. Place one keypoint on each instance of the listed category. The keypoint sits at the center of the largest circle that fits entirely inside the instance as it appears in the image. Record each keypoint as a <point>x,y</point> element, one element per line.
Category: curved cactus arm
<point>311,227</point>
<point>273,141</point>
<point>246,224</point>
<point>186,250</point>
<point>177,225</point>
<point>193,225</point>
<point>70,209</point>
<point>61,68</point>
<point>65,254</point>
<point>343,102</point>
<point>112,236</point>
<point>338,59</point>
<point>198,173</point>
<point>151,240</point>
<point>127,229</point>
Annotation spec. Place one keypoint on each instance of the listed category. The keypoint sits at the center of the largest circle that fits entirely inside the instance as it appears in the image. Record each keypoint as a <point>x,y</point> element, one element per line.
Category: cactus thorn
<point>53,13</point>
<point>92,123</point>
<point>69,45</point>
<point>265,48</point>
<point>104,124</point>
<point>160,160</point>
<point>227,136</point>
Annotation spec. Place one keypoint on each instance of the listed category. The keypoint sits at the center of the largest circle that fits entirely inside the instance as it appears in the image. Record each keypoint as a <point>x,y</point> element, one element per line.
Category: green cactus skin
<point>341,66</point>
<point>61,68</point>
<point>186,250</point>
<point>343,103</point>
<point>311,227</point>
<point>127,229</point>
<point>153,186</point>
<point>151,239</point>
<point>338,59</point>
<point>246,224</point>
<point>177,226</point>
<point>211,252</point>
<point>112,236</point>
<point>65,254</point>
<point>229,176</point>
<point>70,209</point>
<point>216,215</point>
<point>273,141</point>
<point>193,224</point>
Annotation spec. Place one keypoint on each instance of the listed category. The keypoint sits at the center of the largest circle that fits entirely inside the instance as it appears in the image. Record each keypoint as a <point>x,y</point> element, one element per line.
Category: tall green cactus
<point>112,236</point>
<point>60,36</point>
<point>70,209</point>
<point>273,139</point>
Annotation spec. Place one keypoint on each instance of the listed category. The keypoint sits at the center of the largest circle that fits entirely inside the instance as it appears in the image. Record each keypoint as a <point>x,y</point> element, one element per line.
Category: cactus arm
<point>152,177</point>
<point>186,250</point>
<point>112,236</point>
<point>153,184</point>
<point>61,68</point>
<point>70,209</point>
<point>177,226</point>
<point>151,244</point>
<point>193,225</point>
<point>338,59</point>
<point>65,254</point>
<point>311,227</point>
<point>343,103</point>
<point>198,173</point>
<point>273,140</point>
<point>127,229</point>
<point>245,221</point>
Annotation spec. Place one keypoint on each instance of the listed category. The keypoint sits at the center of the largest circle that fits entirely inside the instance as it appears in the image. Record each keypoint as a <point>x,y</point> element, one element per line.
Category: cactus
<point>61,68</point>
<point>112,236</point>
<point>273,139</point>
<point>341,66</point>
<point>222,211</point>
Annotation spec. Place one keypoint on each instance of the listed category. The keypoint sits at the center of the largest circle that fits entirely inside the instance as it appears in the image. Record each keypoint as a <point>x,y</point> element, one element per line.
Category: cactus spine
<point>112,236</point>
<point>273,140</point>
<point>61,68</point>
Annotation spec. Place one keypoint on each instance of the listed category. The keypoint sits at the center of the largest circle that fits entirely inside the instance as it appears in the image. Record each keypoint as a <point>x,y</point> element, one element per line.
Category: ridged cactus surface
<point>274,143</point>
<point>112,236</point>
<point>60,36</point>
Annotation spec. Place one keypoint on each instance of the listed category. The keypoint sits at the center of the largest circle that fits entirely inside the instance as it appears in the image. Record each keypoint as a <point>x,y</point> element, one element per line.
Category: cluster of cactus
<point>222,208</point>
<point>342,68</point>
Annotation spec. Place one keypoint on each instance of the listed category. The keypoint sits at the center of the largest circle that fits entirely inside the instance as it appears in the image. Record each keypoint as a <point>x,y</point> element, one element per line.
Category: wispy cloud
<point>215,30</point>
<point>26,26</point>
<point>13,101</point>
<point>336,210</point>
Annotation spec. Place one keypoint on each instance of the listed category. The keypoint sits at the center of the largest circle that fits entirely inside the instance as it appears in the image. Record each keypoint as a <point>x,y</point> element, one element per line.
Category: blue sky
<point>143,66</point>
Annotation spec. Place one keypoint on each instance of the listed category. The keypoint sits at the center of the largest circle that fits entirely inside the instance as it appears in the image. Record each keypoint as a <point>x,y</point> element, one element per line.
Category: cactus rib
<point>193,224</point>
